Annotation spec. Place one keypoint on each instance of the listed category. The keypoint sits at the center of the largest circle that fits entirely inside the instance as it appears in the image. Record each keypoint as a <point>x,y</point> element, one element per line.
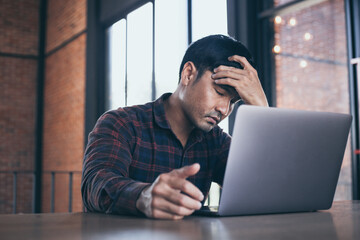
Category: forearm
<point>106,184</point>
<point>106,192</point>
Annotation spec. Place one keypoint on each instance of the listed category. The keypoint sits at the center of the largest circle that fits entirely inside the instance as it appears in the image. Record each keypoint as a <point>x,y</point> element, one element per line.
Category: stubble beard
<point>199,121</point>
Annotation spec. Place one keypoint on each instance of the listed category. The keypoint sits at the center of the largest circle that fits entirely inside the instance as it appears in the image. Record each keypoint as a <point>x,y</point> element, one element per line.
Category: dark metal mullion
<point>70,190</point>
<point>126,58</point>
<point>102,71</point>
<point>153,84</point>
<point>112,11</point>
<point>189,7</point>
<point>268,62</point>
<point>233,30</point>
<point>108,67</point>
<point>40,107</point>
<point>33,195</point>
<point>91,95</point>
<point>286,8</point>
<point>16,55</point>
<point>353,46</point>
<point>14,191</point>
<point>264,55</point>
<point>95,69</point>
<point>269,12</point>
<point>52,191</point>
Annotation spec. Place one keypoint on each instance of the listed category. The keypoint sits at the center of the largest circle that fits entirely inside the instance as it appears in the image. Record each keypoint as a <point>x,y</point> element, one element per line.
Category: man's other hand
<point>245,81</point>
<point>171,196</point>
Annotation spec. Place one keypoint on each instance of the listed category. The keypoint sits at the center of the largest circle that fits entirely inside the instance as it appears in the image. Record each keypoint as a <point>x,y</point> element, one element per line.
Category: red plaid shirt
<point>128,149</point>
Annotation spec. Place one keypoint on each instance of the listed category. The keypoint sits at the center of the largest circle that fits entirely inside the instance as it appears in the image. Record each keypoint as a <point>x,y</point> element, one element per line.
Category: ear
<point>188,73</point>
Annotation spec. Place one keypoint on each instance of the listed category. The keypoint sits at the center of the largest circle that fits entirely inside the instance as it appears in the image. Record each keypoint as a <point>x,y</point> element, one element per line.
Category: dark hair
<point>212,51</point>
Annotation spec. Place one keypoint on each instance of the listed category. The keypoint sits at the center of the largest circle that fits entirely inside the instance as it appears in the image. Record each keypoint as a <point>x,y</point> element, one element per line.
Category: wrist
<point>143,203</point>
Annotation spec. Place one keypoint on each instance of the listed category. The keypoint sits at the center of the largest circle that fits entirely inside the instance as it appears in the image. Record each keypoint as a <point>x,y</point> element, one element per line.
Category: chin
<point>206,127</point>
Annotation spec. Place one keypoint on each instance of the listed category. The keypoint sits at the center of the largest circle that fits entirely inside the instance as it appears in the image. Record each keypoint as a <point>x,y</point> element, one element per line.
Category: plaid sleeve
<point>223,152</point>
<point>106,186</point>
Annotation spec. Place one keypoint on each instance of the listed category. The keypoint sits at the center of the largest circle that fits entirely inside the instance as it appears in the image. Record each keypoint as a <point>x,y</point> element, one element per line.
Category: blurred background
<point>64,63</point>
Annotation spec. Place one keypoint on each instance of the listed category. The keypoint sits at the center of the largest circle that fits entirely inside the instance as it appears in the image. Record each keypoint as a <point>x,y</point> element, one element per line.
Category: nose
<point>223,106</point>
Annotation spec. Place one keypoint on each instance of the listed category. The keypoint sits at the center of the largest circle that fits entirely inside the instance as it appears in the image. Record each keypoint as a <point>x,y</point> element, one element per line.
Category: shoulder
<point>125,119</point>
<point>128,115</point>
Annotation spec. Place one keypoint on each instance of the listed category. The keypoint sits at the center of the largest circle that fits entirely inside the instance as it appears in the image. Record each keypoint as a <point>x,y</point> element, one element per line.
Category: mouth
<point>213,120</point>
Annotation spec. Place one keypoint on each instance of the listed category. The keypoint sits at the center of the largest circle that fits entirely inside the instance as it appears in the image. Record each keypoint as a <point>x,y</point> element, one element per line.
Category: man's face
<point>206,103</point>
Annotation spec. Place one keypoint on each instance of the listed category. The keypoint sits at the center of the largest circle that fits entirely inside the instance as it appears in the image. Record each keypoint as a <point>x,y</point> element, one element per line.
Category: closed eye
<point>219,93</point>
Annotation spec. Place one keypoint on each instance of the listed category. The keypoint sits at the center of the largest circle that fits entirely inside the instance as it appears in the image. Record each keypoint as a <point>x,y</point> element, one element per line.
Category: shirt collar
<point>160,117</point>
<point>159,111</point>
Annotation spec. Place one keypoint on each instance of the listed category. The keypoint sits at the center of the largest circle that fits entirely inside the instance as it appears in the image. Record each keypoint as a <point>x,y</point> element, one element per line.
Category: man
<point>159,159</point>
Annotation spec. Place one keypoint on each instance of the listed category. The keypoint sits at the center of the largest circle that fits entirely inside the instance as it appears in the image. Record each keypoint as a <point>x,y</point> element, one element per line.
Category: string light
<point>292,22</point>
<point>303,64</point>
<point>278,19</point>
<point>276,49</point>
<point>307,36</point>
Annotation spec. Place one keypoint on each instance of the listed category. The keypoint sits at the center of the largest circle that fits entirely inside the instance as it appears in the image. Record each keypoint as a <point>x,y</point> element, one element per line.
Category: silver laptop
<point>282,160</point>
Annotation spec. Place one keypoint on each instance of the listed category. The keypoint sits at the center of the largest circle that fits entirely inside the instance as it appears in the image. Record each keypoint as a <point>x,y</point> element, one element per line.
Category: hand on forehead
<point>245,81</point>
<point>234,62</point>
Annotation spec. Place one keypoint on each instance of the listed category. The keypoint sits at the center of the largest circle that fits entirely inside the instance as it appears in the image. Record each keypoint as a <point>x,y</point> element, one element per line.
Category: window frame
<point>352,9</point>
<point>245,23</point>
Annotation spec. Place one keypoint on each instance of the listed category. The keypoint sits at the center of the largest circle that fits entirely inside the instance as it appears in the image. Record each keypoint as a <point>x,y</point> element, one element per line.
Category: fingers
<point>242,60</point>
<point>169,188</point>
<point>229,72</point>
<point>234,77</point>
<point>184,185</point>
<point>171,204</point>
<point>229,69</point>
<point>187,171</point>
<point>245,81</point>
<point>166,206</point>
<point>157,213</point>
<point>173,196</point>
<point>183,200</point>
<point>230,82</point>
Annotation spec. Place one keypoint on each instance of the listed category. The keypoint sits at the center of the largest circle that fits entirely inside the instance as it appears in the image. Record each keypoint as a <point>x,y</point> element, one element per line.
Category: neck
<point>177,119</point>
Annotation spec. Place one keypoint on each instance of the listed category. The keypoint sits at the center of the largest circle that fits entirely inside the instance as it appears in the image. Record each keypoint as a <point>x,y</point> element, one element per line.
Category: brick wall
<point>322,84</point>
<point>64,95</point>
<point>19,28</point>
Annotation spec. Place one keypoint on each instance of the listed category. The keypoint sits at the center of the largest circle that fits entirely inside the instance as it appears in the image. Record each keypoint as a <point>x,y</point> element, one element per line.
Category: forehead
<point>229,90</point>
<point>206,77</point>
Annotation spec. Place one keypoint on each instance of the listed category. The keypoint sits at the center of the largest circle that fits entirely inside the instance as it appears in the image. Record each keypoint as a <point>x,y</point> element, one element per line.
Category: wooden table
<point>342,221</point>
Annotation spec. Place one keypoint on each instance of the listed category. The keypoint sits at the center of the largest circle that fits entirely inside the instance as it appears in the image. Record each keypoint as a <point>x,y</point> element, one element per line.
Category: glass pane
<point>116,65</point>
<point>311,67</point>
<point>171,37</point>
<point>140,55</point>
<point>208,17</point>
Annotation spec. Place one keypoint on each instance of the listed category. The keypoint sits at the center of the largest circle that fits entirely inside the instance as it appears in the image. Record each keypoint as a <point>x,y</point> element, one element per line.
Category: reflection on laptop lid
<point>282,160</point>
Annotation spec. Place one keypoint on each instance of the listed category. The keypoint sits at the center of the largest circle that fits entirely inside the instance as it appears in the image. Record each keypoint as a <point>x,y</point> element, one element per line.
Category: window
<point>208,20</point>
<point>171,40</point>
<point>145,50</point>
<point>116,36</point>
<point>145,53</point>
<point>310,59</point>
<point>139,55</point>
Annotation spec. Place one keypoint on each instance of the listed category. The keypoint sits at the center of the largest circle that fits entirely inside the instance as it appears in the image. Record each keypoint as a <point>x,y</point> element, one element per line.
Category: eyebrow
<point>230,90</point>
